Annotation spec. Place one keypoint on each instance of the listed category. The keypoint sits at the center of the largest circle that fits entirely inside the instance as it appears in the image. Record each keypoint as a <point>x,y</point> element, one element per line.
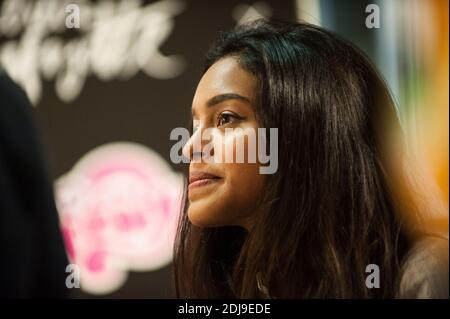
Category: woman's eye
<point>225,118</point>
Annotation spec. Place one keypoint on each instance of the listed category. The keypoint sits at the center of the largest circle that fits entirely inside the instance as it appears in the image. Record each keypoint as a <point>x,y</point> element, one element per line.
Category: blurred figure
<point>32,254</point>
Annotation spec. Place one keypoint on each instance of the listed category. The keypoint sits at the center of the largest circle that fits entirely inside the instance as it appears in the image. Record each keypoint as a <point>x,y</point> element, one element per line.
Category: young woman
<point>338,201</point>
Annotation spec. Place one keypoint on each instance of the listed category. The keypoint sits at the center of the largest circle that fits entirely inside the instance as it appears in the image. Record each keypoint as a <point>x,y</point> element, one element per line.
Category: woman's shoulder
<point>425,269</point>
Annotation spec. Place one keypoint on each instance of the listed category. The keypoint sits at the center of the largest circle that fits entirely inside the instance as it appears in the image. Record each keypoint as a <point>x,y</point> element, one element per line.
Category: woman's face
<point>222,193</point>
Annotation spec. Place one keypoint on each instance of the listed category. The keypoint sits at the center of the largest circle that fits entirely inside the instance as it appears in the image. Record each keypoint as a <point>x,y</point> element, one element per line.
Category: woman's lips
<point>198,179</point>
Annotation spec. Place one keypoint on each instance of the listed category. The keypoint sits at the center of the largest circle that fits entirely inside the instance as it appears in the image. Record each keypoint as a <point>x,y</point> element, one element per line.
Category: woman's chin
<point>200,216</point>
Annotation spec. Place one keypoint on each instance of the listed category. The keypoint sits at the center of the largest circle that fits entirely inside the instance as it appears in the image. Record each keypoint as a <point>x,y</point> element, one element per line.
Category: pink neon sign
<point>118,210</point>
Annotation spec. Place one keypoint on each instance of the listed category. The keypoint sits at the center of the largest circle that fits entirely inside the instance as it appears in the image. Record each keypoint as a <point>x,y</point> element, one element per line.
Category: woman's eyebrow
<point>226,96</point>
<point>221,98</point>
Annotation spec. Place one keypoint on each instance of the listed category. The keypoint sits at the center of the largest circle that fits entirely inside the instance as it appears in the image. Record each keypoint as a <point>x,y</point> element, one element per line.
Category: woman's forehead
<point>225,76</point>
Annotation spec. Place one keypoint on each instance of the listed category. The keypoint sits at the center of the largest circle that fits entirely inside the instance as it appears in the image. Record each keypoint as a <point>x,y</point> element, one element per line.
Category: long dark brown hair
<point>330,210</point>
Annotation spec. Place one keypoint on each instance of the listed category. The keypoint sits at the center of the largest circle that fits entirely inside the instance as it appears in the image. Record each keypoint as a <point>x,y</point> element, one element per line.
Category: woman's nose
<point>194,148</point>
